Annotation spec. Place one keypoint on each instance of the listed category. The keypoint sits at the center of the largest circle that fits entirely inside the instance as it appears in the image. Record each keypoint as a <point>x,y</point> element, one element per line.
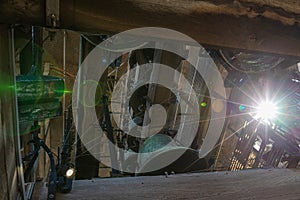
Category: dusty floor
<point>275,184</point>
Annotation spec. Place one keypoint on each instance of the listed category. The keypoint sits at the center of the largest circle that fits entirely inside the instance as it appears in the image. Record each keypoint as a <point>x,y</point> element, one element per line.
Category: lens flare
<point>266,111</point>
<point>242,108</point>
<point>203,104</point>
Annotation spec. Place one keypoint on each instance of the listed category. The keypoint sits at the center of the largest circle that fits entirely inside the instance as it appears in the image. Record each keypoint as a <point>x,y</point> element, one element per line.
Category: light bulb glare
<point>266,111</point>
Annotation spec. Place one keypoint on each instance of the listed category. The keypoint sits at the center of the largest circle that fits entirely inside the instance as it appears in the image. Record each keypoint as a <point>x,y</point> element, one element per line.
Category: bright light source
<point>266,111</point>
<point>70,173</point>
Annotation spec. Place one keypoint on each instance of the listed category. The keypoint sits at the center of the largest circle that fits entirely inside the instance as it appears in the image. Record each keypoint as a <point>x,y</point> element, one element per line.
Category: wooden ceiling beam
<point>244,24</point>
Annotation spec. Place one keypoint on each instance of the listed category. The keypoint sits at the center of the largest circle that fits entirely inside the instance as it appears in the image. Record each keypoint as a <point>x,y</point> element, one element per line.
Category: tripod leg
<point>52,176</point>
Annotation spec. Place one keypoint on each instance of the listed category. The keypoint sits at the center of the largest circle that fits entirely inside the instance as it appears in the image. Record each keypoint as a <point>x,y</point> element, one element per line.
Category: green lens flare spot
<point>203,104</point>
<point>6,88</point>
<point>242,107</point>
<point>64,91</point>
<point>68,92</point>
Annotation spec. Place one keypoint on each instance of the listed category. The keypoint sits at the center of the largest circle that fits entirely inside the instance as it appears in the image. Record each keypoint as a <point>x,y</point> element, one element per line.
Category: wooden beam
<point>271,27</point>
<point>209,24</point>
<point>267,184</point>
<point>11,183</point>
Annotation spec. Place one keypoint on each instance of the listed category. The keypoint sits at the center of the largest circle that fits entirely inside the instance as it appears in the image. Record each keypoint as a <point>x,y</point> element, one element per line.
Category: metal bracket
<point>52,13</point>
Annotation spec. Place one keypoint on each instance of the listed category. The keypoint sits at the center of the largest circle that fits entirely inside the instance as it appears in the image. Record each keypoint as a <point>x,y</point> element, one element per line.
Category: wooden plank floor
<point>262,184</point>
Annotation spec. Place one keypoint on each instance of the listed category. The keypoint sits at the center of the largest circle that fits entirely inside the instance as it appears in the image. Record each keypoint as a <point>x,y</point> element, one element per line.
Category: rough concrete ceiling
<point>257,25</point>
<point>288,12</point>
